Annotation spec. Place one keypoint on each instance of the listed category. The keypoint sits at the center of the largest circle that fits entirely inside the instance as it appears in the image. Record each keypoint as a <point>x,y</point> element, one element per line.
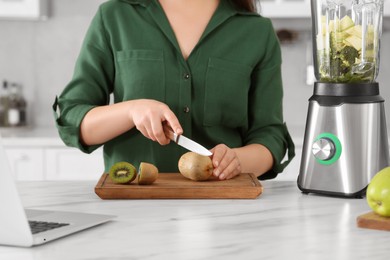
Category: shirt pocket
<point>226,93</point>
<point>140,74</point>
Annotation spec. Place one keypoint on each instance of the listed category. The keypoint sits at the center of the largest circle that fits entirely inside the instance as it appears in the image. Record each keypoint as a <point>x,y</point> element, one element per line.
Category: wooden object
<point>175,186</point>
<point>372,220</point>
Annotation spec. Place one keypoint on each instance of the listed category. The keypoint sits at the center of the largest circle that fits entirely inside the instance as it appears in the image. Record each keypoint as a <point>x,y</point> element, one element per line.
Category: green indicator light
<point>337,147</point>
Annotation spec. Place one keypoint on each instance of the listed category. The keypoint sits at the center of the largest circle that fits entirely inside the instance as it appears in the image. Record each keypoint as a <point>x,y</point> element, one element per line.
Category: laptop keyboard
<point>40,226</point>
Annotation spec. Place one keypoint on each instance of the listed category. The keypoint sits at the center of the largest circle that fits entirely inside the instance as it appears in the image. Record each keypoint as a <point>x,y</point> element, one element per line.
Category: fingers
<point>158,129</point>
<point>232,170</point>
<point>149,118</point>
<point>225,162</point>
<point>218,153</point>
<point>158,133</point>
<point>173,122</point>
<point>144,131</point>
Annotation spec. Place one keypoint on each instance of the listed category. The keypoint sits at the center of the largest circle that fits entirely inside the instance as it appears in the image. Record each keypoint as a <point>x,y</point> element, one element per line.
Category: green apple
<point>378,193</point>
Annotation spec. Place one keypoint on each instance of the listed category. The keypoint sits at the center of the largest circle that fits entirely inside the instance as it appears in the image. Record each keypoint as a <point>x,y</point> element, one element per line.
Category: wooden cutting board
<point>372,220</point>
<point>175,186</point>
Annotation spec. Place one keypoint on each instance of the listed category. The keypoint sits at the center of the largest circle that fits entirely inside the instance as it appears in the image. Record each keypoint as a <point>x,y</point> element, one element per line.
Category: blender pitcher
<point>346,37</point>
<point>345,142</point>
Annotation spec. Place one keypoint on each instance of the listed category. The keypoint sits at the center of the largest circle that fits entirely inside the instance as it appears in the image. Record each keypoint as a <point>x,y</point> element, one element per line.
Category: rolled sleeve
<point>70,131</point>
<point>90,86</point>
<point>266,126</point>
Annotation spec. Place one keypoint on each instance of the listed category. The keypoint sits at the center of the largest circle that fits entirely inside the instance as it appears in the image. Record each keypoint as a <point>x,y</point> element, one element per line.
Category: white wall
<point>41,54</point>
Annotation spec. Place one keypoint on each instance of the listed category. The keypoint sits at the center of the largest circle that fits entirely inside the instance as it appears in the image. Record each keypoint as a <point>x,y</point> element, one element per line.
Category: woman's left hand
<point>225,161</point>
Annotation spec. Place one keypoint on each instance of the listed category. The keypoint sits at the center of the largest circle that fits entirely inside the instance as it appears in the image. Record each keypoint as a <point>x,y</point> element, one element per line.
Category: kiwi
<point>147,173</point>
<point>195,166</point>
<point>122,172</point>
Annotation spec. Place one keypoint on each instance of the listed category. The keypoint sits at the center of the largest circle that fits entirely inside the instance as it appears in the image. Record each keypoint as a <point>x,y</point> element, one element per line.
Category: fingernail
<point>216,163</point>
<point>222,176</point>
<point>216,173</point>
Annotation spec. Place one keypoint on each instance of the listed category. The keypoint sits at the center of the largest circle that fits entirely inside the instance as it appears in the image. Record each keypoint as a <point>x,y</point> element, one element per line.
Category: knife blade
<point>186,142</point>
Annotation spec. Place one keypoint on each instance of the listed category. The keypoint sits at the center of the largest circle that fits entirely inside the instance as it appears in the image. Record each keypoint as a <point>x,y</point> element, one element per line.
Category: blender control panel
<point>323,149</point>
<point>326,148</point>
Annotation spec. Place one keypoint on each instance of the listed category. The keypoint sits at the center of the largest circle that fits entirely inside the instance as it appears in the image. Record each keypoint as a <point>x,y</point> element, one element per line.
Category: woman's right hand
<point>148,116</point>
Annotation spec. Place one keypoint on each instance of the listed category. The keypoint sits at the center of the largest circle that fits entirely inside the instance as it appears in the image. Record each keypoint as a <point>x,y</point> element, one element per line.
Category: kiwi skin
<point>195,166</point>
<point>147,173</point>
<point>123,173</point>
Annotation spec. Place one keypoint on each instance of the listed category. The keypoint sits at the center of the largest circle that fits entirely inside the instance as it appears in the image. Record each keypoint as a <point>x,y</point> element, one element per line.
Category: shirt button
<point>186,109</point>
<point>186,76</point>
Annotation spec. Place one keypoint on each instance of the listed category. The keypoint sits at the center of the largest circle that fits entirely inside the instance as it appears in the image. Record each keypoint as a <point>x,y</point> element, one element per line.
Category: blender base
<point>345,142</point>
<point>357,195</point>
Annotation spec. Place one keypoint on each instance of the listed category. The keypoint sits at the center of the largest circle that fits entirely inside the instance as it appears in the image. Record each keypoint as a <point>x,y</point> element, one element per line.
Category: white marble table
<point>281,224</point>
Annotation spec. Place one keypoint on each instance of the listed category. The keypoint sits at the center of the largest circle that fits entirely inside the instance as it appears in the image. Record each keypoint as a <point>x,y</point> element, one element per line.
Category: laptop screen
<point>13,222</point>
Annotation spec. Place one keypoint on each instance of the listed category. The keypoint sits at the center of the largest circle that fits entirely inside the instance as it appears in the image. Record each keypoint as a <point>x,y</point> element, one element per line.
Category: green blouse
<point>229,90</point>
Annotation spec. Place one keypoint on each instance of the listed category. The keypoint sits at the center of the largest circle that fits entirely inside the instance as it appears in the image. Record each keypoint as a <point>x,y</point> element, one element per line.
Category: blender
<point>345,142</point>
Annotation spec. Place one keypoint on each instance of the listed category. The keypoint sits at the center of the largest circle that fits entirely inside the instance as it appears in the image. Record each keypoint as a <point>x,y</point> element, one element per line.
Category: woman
<point>209,69</point>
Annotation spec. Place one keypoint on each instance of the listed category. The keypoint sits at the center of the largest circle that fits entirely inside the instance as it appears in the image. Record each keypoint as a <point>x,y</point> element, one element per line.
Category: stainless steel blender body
<point>345,142</point>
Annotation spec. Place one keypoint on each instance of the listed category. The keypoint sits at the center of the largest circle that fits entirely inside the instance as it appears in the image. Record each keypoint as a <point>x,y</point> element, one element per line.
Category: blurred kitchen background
<point>39,55</point>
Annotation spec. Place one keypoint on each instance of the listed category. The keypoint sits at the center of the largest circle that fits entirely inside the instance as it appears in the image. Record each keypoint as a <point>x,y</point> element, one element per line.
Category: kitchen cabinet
<point>57,162</point>
<point>54,163</point>
<point>65,163</point>
<point>71,164</point>
<point>24,9</point>
<point>26,163</point>
<point>296,8</point>
<point>35,162</point>
<point>39,154</point>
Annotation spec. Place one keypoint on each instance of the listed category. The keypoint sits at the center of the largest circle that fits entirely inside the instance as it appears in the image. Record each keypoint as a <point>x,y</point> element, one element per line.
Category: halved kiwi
<point>147,173</point>
<point>122,172</point>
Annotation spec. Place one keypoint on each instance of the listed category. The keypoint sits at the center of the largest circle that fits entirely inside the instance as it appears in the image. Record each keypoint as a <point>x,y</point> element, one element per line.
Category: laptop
<point>28,227</point>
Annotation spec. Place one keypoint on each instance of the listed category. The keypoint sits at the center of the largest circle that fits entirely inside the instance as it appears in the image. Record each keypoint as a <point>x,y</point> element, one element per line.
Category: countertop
<point>282,223</point>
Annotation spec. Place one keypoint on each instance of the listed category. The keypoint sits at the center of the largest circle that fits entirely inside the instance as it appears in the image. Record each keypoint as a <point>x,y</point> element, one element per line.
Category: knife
<point>186,142</point>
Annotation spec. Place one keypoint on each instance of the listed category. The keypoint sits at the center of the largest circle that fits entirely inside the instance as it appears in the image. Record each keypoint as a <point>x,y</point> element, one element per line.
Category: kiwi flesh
<point>147,173</point>
<point>122,172</point>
